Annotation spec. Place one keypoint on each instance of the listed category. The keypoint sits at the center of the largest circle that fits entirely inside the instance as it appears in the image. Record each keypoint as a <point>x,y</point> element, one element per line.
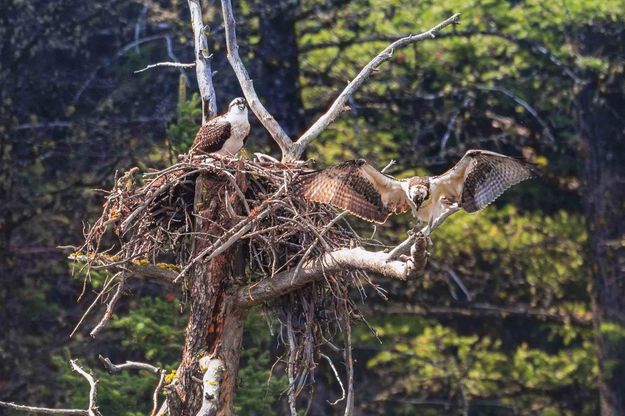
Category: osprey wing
<point>483,176</point>
<point>357,188</point>
<point>211,136</point>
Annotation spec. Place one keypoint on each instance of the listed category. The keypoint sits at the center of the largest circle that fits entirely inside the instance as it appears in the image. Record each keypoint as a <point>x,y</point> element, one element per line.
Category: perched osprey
<point>475,181</point>
<point>224,135</point>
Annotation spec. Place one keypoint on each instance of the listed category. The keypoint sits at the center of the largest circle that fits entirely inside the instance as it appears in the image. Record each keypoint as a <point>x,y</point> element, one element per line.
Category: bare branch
<point>211,382</point>
<point>324,121</point>
<point>110,307</point>
<point>247,85</point>
<point>343,259</point>
<point>157,390</point>
<point>171,64</point>
<point>128,365</point>
<point>134,365</point>
<point>336,375</point>
<point>43,410</point>
<point>91,411</point>
<point>93,408</point>
<point>203,62</point>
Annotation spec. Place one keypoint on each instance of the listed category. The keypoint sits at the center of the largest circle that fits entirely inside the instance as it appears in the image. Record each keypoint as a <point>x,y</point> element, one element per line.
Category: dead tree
<point>241,237</point>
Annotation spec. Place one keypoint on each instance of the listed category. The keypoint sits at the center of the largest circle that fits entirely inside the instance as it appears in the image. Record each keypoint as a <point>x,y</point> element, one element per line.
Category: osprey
<point>475,181</point>
<point>224,135</point>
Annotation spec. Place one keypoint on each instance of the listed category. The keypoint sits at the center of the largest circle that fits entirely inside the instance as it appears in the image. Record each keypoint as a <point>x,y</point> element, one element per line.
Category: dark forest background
<point>539,329</point>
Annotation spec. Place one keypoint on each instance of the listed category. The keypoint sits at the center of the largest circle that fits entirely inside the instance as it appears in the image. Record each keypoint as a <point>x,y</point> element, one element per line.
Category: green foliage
<point>152,331</point>
<point>183,132</point>
<point>259,390</point>
<point>506,258</point>
<point>530,256</point>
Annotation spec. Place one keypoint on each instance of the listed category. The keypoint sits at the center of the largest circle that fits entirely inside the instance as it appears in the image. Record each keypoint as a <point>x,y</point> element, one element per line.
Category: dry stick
<point>203,62</point>
<point>93,409</point>
<point>322,123</point>
<point>42,410</point>
<point>95,301</point>
<point>317,240</point>
<point>247,86</point>
<point>233,181</point>
<point>110,306</point>
<point>336,374</point>
<point>134,365</point>
<point>157,390</point>
<point>139,210</point>
<point>170,64</point>
<point>390,165</point>
<point>291,365</point>
<point>128,365</point>
<point>349,406</point>
<point>218,247</point>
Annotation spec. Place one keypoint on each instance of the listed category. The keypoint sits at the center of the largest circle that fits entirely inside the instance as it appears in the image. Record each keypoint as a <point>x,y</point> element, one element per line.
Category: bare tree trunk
<point>215,326</point>
<point>602,128</point>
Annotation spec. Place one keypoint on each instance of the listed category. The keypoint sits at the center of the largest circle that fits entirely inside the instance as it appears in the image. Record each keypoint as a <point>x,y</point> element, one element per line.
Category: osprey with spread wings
<point>475,181</point>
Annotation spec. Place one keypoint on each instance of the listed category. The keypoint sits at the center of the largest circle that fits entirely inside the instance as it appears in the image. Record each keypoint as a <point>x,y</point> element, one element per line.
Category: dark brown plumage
<point>353,186</point>
<point>211,136</point>
<point>490,176</point>
<point>475,181</point>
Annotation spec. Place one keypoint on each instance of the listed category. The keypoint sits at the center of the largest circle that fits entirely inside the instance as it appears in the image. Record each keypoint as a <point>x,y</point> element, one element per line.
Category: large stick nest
<point>261,212</point>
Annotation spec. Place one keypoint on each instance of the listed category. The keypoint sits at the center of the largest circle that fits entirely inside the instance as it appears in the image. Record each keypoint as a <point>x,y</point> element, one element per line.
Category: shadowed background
<point>538,329</point>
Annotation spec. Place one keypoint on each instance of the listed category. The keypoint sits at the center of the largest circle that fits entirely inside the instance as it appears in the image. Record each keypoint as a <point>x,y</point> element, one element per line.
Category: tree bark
<point>599,104</point>
<point>215,326</point>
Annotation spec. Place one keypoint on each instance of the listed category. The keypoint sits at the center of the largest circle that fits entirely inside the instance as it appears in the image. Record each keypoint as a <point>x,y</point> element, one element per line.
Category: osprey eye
<point>241,106</point>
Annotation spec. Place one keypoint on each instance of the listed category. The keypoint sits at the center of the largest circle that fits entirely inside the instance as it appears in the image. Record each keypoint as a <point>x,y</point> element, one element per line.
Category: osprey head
<point>238,105</point>
<point>418,189</point>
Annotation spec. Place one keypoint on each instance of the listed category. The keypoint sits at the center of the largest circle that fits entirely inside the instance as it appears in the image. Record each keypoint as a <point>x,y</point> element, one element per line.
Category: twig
<point>218,247</point>
<point>322,123</point>
<point>336,375</point>
<point>128,365</point>
<point>157,390</point>
<point>93,408</point>
<point>233,181</point>
<point>291,365</point>
<point>134,365</point>
<point>173,57</point>
<point>266,119</point>
<point>170,64</point>
<point>110,306</point>
<point>349,405</point>
<point>390,165</point>
<point>93,304</point>
<point>42,410</point>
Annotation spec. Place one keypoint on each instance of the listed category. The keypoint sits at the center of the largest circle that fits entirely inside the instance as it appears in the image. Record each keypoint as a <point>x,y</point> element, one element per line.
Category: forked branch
<point>292,151</point>
<point>336,108</point>
<point>247,85</point>
<point>92,410</point>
